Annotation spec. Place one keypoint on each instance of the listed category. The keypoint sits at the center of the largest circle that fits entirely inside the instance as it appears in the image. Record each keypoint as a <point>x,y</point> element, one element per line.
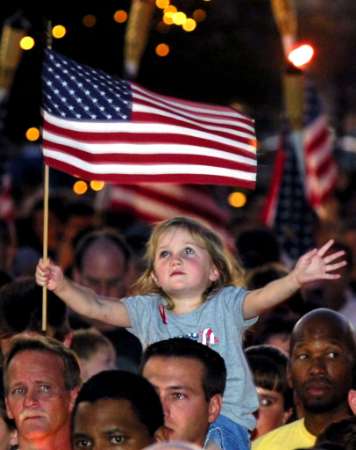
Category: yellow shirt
<point>288,437</point>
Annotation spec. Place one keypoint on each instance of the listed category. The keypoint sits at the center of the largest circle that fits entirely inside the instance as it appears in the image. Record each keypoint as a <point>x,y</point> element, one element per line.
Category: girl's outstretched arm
<point>314,265</point>
<point>81,299</point>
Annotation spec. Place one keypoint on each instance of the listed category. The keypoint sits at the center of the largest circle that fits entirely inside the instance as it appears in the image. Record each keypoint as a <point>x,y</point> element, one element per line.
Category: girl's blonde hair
<point>229,271</point>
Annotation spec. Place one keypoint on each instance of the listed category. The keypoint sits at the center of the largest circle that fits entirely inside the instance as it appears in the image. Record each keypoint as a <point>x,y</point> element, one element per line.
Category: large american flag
<point>99,127</point>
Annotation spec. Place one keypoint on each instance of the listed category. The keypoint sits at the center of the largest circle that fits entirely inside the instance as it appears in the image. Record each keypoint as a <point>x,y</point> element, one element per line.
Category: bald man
<point>323,355</point>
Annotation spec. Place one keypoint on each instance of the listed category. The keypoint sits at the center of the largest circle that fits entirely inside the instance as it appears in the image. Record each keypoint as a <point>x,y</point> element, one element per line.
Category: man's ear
<point>215,405</point>
<point>289,376</point>
<point>8,410</point>
<point>73,395</point>
<point>351,398</point>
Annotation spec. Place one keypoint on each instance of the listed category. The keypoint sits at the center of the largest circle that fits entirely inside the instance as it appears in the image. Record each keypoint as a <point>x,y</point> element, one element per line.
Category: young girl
<point>190,289</point>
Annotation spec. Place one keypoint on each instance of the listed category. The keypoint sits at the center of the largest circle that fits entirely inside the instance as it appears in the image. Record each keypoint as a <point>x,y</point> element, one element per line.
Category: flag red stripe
<point>191,202</point>
<point>142,138</point>
<point>144,178</point>
<point>270,206</point>
<point>186,105</point>
<point>143,117</point>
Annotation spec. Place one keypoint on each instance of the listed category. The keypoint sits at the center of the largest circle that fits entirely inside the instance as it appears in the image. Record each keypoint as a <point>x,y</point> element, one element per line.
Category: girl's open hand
<point>318,264</point>
<point>49,275</point>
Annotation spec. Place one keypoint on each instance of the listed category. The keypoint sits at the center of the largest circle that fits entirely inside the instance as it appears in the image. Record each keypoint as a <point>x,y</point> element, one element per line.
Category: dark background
<point>234,55</point>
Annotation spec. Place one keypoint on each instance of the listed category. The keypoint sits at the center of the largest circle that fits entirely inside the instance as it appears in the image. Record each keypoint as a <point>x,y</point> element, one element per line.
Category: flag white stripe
<point>144,149</point>
<point>184,120</point>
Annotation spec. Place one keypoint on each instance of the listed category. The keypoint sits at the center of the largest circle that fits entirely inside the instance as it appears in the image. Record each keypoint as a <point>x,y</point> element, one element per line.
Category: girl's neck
<point>185,306</point>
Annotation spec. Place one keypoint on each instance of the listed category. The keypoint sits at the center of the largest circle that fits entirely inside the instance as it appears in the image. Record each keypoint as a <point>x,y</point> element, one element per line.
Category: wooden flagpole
<point>45,209</point>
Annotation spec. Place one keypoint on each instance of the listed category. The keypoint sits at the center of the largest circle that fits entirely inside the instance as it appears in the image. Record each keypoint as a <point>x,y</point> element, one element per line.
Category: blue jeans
<point>227,435</point>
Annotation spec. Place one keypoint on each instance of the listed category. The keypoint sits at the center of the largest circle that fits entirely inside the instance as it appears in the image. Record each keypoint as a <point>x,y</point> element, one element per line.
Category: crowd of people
<point>183,345</point>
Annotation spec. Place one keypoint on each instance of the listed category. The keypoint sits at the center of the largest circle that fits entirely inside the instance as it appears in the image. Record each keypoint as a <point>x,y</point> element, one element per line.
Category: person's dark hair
<point>214,379</point>
<point>269,369</point>
<point>86,342</point>
<point>122,385</point>
<point>342,433</point>
<point>21,309</point>
<point>104,235</point>
<point>44,344</point>
<point>257,246</point>
<point>274,324</point>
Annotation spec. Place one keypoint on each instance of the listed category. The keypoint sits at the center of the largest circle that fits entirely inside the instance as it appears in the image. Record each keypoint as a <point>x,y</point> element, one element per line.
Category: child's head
<point>269,369</point>
<point>221,259</point>
<point>94,351</point>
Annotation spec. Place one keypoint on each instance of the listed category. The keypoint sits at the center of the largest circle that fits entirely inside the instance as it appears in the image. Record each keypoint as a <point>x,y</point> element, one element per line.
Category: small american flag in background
<point>286,209</point>
<point>320,165</point>
<point>98,127</point>
<point>304,177</point>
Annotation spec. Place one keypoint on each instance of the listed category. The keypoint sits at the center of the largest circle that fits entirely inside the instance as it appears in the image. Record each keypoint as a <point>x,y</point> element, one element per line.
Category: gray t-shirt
<point>219,323</point>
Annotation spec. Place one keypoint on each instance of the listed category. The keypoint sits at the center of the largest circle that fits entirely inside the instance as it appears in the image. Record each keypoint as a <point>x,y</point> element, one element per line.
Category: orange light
<point>32,134</point>
<point>237,199</point>
<point>120,16</point>
<point>80,187</point>
<point>162,50</point>
<point>89,21</point>
<point>59,31</point>
<point>161,4</point>
<point>189,25</point>
<point>199,15</point>
<point>97,185</point>
<point>301,55</point>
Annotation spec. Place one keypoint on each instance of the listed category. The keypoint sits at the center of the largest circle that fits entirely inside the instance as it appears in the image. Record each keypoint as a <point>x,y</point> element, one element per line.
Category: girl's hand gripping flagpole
<point>45,209</point>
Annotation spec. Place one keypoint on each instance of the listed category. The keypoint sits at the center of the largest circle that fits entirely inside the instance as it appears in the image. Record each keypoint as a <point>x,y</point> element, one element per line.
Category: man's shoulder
<point>287,437</point>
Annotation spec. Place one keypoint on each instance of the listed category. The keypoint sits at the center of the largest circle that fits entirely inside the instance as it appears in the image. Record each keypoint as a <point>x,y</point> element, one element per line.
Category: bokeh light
<point>32,134</point>
<point>27,43</point>
<point>120,16</point>
<point>162,4</point>
<point>237,199</point>
<point>199,15</point>
<point>97,185</point>
<point>189,25</point>
<point>301,55</point>
<point>162,50</point>
<point>89,20</point>
<point>80,187</point>
<point>59,31</point>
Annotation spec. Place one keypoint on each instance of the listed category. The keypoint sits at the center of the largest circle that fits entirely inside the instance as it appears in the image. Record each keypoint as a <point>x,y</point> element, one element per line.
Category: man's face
<point>36,397</point>
<point>321,367</point>
<point>103,270</point>
<point>109,424</point>
<point>179,383</point>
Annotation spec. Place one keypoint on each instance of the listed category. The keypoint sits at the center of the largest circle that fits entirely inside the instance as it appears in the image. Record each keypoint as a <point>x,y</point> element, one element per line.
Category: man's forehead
<point>40,360</point>
<point>176,370</point>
